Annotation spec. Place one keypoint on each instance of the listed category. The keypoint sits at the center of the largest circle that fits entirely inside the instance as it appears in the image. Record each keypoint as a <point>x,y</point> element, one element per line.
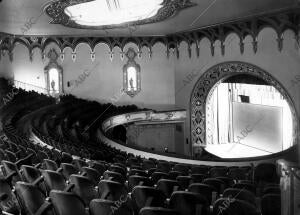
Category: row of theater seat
<point>78,174</point>
<point>95,182</point>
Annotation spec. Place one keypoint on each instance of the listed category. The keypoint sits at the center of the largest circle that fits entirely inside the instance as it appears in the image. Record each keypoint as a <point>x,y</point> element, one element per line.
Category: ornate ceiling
<point>251,26</point>
<point>84,11</point>
<point>36,17</point>
<point>280,20</point>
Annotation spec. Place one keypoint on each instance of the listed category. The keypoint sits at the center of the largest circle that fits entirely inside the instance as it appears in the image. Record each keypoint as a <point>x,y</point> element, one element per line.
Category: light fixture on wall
<point>93,56</point>
<point>53,74</point>
<point>73,55</point>
<point>131,74</point>
<point>62,56</point>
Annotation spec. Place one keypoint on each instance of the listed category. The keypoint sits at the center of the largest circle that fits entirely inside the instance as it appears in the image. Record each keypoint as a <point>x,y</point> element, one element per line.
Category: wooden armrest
<point>38,165</point>
<point>45,206</point>
<point>38,180</point>
<point>69,187</point>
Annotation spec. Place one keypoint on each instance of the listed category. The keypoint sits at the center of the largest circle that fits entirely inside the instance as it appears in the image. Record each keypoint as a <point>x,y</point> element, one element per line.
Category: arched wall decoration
<point>56,11</point>
<point>280,21</point>
<point>53,56</point>
<point>132,86</point>
<point>203,90</point>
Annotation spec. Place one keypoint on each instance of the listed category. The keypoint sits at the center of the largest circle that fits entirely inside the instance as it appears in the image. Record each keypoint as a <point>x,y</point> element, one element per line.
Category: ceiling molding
<point>55,10</point>
<point>280,21</point>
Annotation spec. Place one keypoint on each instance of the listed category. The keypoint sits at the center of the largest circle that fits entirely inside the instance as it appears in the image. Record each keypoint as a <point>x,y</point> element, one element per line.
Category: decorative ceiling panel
<point>59,11</point>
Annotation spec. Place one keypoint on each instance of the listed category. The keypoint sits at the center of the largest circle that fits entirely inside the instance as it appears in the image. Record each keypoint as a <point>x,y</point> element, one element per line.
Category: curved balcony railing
<point>28,87</point>
<point>149,116</point>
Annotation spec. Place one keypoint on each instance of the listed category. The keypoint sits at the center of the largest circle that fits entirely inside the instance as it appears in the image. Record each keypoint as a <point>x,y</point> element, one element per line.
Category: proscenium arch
<point>210,79</point>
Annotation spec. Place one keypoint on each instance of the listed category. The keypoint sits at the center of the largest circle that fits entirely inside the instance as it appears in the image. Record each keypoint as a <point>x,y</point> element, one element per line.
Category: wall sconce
<point>53,74</point>
<point>131,74</point>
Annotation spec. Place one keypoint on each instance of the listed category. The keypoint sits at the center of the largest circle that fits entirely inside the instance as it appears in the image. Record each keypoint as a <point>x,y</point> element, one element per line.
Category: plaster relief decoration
<point>53,75</point>
<point>131,74</point>
<point>249,26</point>
<point>100,14</point>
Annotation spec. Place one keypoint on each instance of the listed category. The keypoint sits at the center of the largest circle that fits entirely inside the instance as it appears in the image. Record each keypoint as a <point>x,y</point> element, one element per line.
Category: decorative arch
<point>209,80</point>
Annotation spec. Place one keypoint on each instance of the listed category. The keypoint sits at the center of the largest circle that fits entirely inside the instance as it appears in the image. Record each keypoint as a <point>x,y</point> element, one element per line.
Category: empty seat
<point>92,174</point>
<point>210,192</point>
<point>184,181</point>
<point>114,176</point>
<point>132,161</point>
<point>164,167</point>
<point>136,180</point>
<point>265,173</point>
<point>271,204</point>
<point>228,181</point>
<point>217,183</point>
<point>182,168</point>
<point>53,180</point>
<point>200,170</point>
<point>84,188</point>
<point>197,178</point>
<point>2,154</point>
<point>68,169</point>
<point>66,158</point>
<point>65,203</point>
<point>156,176</point>
<point>79,163</point>
<point>111,190</point>
<point>138,172</point>
<point>218,172</point>
<point>8,202</point>
<point>174,174</point>
<point>157,211</point>
<point>115,168</point>
<point>30,173</point>
<point>32,200</point>
<point>225,206</point>
<point>151,171</point>
<point>244,195</point>
<point>168,186</point>
<point>50,165</point>
<point>245,186</point>
<point>238,174</point>
<point>148,164</point>
<point>11,156</point>
<point>42,155</point>
<point>11,171</point>
<point>189,203</point>
<point>147,196</point>
<point>100,167</point>
<point>108,207</point>
<point>121,164</point>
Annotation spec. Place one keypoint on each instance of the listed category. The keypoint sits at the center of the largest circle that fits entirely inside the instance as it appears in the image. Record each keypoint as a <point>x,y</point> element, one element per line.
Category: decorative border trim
<point>279,21</point>
<point>56,11</point>
<point>212,77</point>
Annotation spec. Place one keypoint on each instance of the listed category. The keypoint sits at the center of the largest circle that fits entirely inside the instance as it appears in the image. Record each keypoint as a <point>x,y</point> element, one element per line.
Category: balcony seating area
<point>74,173</point>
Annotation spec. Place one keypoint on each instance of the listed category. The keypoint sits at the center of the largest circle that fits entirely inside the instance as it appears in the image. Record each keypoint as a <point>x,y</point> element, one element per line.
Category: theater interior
<point>150,107</point>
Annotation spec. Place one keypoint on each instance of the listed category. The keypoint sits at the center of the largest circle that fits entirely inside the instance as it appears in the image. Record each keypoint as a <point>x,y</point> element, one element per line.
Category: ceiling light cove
<point>104,14</point>
<point>112,12</point>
